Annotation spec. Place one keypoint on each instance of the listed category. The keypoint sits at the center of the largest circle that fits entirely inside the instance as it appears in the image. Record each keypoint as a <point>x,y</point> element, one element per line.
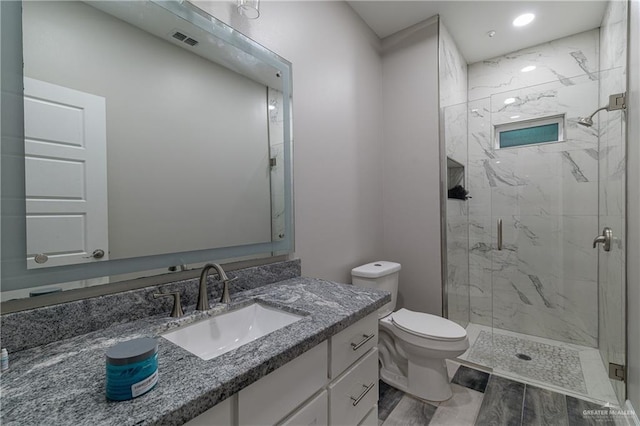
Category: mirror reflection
<point>137,142</point>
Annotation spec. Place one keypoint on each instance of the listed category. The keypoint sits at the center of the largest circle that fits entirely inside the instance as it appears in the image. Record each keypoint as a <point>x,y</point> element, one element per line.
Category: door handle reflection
<point>604,239</point>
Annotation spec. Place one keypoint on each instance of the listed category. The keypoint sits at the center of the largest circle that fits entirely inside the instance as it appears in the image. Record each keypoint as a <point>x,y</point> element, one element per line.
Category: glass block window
<point>529,132</point>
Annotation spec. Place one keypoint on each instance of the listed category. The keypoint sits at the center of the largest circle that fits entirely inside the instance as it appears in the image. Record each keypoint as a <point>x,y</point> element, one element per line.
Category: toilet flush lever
<point>366,338</point>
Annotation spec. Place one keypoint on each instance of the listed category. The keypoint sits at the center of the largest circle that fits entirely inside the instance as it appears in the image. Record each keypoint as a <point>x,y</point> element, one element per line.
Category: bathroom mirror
<point>150,135</point>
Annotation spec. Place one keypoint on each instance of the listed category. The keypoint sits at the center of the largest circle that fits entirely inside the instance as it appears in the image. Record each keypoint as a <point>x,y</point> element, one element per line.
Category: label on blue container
<point>145,385</point>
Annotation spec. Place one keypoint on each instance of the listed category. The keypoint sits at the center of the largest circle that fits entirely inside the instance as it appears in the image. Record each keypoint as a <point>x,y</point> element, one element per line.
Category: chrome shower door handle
<point>604,239</point>
<point>499,234</point>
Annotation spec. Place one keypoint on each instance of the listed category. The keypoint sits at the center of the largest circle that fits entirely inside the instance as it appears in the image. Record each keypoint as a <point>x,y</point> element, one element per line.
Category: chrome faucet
<point>203,300</point>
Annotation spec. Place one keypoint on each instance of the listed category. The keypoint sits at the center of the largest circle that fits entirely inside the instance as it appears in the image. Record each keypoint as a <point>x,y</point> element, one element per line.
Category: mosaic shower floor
<point>564,367</point>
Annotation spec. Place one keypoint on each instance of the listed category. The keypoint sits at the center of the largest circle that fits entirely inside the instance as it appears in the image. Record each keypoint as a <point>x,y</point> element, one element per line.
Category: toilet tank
<point>380,275</point>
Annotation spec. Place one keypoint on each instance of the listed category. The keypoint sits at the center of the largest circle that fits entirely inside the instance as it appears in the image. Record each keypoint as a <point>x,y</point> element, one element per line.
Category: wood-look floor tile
<point>544,407</point>
<point>502,403</point>
<point>460,410</point>
<point>471,378</point>
<point>410,412</point>
<point>388,398</point>
<point>585,413</point>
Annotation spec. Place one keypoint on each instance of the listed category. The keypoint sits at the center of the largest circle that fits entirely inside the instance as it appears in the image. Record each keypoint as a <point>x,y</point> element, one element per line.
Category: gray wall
<point>171,150</point>
<point>411,191</point>
<point>337,127</point>
<point>633,209</point>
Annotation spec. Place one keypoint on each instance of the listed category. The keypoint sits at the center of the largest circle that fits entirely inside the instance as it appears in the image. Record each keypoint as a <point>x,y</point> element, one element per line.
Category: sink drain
<point>524,357</point>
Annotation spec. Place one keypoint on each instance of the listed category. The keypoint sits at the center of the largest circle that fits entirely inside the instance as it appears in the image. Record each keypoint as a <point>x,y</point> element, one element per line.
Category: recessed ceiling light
<point>509,101</point>
<point>523,20</point>
<point>513,117</point>
<point>529,68</point>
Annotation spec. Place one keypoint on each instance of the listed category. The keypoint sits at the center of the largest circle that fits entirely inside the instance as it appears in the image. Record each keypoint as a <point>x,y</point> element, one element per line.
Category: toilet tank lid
<point>375,269</point>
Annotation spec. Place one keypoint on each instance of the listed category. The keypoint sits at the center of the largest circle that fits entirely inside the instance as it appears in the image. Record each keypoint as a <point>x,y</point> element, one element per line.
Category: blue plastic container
<point>132,368</point>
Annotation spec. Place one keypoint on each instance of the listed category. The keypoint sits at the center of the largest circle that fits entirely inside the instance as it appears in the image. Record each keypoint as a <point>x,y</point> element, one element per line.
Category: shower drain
<point>524,357</point>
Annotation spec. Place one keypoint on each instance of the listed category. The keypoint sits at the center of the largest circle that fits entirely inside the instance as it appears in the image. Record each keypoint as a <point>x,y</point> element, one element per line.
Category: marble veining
<point>453,97</point>
<point>63,382</point>
<point>36,327</point>
<point>558,60</point>
<point>543,282</point>
<point>453,70</point>
<point>276,153</point>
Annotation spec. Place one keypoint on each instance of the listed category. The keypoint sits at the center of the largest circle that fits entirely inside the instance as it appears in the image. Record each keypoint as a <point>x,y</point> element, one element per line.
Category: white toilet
<point>412,345</point>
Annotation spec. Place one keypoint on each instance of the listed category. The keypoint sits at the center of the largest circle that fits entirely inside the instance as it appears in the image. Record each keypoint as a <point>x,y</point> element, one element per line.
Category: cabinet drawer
<point>353,342</point>
<point>277,394</point>
<point>353,395</point>
<point>371,419</point>
<point>313,413</point>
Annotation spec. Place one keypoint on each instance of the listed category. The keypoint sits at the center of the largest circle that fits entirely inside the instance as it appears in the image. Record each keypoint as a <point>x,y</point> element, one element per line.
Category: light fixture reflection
<point>528,68</point>
<point>509,101</point>
<point>523,20</point>
<point>250,9</point>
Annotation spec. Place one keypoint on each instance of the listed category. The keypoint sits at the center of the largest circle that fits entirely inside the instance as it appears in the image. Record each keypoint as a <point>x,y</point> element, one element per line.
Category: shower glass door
<point>611,264</point>
<point>549,312</point>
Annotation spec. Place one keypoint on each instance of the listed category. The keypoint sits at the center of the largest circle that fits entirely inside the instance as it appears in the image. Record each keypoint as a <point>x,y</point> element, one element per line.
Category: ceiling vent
<point>190,41</point>
<point>184,38</point>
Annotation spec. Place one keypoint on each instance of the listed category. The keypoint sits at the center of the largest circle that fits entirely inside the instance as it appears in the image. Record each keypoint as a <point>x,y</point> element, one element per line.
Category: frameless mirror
<point>154,135</point>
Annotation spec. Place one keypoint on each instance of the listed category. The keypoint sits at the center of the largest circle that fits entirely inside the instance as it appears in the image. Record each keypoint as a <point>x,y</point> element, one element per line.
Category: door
<point>66,175</point>
<point>611,262</point>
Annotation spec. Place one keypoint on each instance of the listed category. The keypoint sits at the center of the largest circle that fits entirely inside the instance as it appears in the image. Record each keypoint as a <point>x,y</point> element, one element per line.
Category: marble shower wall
<point>453,97</point>
<point>544,281</point>
<point>453,70</point>
<point>558,60</point>
<point>276,152</point>
<point>611,126</point>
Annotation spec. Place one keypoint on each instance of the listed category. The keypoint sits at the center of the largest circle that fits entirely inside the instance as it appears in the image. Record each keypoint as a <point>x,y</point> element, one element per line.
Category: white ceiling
<point>469,21</point>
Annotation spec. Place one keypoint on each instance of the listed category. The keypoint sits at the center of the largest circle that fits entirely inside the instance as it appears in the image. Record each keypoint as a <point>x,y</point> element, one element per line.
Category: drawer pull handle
<point>366,338</point>
<point>362,395</point>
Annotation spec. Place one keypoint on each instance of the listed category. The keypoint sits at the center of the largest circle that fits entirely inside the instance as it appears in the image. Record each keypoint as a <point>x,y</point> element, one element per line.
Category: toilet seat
<point>427,326</point>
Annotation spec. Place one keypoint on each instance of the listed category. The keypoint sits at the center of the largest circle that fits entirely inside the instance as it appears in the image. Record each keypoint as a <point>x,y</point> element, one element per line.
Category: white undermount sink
<point>222,333</point>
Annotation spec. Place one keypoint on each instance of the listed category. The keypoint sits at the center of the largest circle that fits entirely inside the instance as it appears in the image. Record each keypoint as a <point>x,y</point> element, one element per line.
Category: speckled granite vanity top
<point>63,382</point>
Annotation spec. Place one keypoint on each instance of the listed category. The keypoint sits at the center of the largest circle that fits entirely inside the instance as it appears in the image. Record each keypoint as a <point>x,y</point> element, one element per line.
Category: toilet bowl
<point>413,346</point>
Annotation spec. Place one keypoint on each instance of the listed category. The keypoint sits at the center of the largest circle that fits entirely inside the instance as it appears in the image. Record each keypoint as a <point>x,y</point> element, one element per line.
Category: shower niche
<point>455,180</point>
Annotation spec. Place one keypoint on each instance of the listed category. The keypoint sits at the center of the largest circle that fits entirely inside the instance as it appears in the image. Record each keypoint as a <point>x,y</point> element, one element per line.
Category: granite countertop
<point>64,382</point>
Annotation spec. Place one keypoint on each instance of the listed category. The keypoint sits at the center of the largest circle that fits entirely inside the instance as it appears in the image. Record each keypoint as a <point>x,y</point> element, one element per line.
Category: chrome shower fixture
<point>617,101</point>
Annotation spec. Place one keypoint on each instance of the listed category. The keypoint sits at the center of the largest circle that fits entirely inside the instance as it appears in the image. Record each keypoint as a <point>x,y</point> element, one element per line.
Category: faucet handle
<point>176,312</point>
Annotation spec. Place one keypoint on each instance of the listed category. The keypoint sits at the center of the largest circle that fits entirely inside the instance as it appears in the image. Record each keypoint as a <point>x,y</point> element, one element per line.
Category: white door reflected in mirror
<point>65,174</point>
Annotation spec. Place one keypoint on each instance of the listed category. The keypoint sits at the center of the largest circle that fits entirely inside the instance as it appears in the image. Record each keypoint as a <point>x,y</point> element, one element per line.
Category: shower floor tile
<point>548,363</point>
<point>559,366</point>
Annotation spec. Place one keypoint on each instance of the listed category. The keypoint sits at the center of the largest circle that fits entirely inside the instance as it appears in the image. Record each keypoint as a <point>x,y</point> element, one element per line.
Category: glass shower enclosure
<point>540,303</point>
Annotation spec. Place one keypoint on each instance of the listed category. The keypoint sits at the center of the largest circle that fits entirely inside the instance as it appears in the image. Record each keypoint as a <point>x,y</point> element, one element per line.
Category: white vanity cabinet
<point>273,397</point>
<point>334,383</point>
<point>221,414</point>
<point>355,392</point>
